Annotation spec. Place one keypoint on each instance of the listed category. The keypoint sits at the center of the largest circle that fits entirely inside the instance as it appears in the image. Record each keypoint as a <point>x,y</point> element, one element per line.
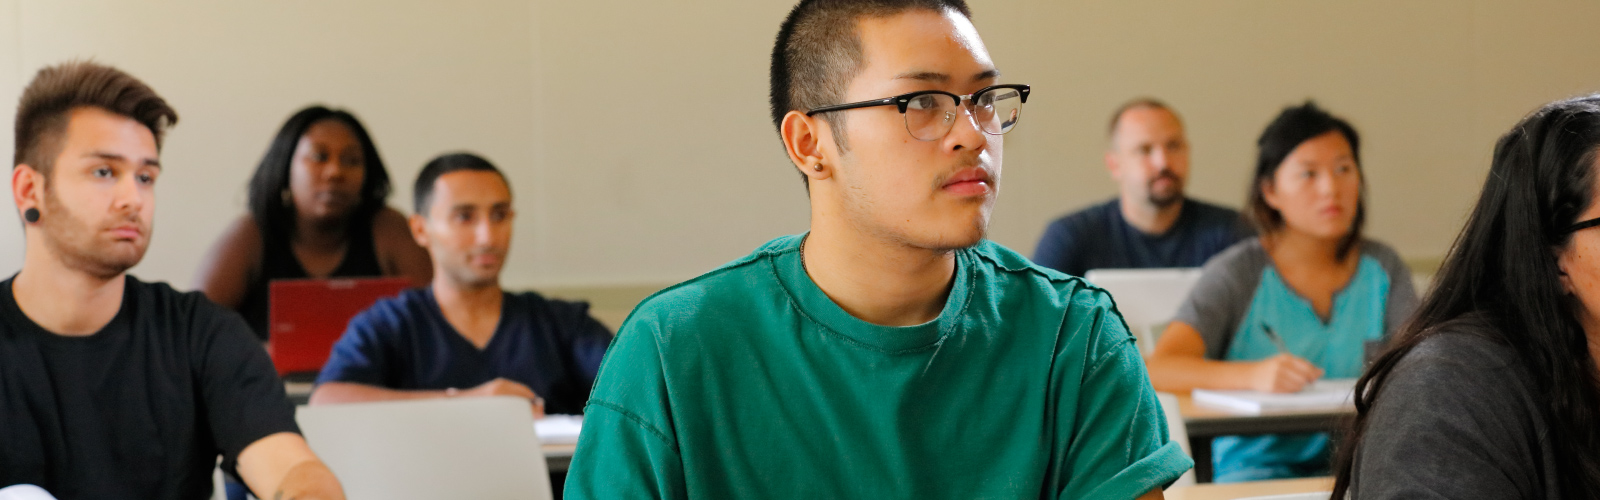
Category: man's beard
<point>73,241</point>
<point>1169,199</point>
<point>1165,201</point>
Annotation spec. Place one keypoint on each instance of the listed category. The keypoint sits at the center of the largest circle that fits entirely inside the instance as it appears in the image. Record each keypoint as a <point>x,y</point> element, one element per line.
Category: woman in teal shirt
<point>1329,295</point>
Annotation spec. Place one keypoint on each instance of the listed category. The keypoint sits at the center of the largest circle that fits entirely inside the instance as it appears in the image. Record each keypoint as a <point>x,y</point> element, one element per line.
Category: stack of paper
<point>1331,394</point>
<point>558,429</point>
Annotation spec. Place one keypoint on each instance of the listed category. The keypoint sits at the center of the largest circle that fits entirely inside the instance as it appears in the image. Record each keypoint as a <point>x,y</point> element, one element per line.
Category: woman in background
<point>317,210</point>
<point>1491,391</point>
<point>1306,300</point>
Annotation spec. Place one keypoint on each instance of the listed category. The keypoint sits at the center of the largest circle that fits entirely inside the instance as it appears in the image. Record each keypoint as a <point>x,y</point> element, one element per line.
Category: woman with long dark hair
<point>1306,300</point>
<point>1491,390</point>
<point>317,210</point>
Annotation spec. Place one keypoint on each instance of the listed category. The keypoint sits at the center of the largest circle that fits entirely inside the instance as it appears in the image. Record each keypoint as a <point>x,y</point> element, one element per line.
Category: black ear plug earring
<point>31,215</point>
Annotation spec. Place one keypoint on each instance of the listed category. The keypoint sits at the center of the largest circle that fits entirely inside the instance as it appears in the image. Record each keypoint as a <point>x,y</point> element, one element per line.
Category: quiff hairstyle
<point>57,90</point>
<point>818,52</point>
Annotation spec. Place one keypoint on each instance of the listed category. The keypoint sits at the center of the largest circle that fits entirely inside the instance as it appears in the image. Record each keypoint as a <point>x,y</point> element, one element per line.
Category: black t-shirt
<point>140,409</point>
<point>1098,238</point>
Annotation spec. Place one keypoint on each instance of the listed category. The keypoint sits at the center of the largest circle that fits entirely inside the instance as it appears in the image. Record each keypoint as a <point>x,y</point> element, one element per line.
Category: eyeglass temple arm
<point>888,101</point>
<point>1582,225</point>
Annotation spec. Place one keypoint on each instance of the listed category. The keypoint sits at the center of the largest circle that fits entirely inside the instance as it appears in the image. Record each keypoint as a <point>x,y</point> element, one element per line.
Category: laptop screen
<point>306,317</point>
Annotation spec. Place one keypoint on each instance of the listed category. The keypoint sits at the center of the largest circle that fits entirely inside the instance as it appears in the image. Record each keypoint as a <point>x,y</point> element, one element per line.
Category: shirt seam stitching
<point>1122,345</point>
<point>637,419</point>
<point>772,268</point>
<point>752,259</point>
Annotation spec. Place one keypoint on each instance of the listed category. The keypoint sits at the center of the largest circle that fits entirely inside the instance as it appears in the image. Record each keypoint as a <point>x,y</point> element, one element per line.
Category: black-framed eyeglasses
<point>1582,225</point>
<point>930,114</point>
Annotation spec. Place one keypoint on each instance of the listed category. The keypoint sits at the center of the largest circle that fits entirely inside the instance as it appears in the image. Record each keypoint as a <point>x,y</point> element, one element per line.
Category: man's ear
<point>419,229</point>
<point>1111,164</point>
<point>803,139</point>
<point>27,188</point>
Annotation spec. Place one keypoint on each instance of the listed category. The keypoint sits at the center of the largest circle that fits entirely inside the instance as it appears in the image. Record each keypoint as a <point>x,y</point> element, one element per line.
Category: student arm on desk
<point>283,466</point>
<point>1179,366</point>
<point>1189,354</point>
<point>249,415</point>
<point>357,368</point>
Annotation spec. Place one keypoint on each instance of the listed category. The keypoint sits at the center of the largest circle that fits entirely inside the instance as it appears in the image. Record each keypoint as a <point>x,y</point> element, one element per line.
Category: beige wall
<point>636,137</point>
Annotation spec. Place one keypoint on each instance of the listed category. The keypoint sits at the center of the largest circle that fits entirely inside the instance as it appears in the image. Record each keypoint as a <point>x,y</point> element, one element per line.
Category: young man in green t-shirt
<point>890,352</point>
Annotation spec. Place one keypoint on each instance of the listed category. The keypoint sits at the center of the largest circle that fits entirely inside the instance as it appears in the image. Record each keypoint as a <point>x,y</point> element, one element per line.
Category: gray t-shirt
<point>1220,300</point>
<point>1456,419</point>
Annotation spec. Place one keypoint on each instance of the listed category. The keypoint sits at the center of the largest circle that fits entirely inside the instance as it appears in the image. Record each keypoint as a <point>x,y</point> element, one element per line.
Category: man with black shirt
<point>1151,223</point>
<point>111,387</point>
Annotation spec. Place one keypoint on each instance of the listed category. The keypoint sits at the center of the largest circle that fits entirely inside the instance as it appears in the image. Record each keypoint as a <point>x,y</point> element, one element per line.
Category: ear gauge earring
<point>31,215</point>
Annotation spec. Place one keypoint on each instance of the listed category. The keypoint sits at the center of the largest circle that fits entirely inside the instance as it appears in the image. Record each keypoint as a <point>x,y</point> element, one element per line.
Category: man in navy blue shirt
<point>463,335</point>
<point>1151,223</point>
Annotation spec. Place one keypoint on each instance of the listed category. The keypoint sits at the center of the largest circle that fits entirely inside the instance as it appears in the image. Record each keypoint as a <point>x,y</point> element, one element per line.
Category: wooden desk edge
<point>1229,491</point>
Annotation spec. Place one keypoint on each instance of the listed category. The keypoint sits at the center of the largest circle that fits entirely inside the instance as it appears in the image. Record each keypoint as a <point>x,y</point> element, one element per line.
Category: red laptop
<point>307,316</point>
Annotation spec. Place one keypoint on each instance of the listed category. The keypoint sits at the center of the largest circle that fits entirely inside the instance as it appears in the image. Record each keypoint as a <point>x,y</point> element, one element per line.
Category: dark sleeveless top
<point>278,262</point>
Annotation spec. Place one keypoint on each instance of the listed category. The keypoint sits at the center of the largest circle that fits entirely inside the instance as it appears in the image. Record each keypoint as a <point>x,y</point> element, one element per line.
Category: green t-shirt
<point>748,382</point>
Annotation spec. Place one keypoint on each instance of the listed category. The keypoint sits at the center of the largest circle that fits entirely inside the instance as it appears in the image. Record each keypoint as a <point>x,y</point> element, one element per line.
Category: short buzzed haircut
<point>56,91</point>
<point>818,52</point>
<point>1137,103</point>
<point>422,192</point>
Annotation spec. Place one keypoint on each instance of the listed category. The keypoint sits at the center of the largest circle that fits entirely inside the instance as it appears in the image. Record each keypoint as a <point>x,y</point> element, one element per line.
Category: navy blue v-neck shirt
<point>553,347</point>
<point>1099,238</point>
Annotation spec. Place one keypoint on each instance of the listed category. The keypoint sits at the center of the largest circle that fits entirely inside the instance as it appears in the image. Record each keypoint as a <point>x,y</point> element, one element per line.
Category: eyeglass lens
<point>930,116</point>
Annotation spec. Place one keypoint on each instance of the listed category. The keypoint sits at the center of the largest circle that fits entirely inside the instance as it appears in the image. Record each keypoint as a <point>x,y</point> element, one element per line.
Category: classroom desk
<point>299,392</point>
<point>556,456</point>
<point>1232,491</point>
<point>1204,423</point>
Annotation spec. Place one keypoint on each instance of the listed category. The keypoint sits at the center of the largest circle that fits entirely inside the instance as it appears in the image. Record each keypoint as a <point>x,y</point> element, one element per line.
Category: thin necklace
<point>803,253</point>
